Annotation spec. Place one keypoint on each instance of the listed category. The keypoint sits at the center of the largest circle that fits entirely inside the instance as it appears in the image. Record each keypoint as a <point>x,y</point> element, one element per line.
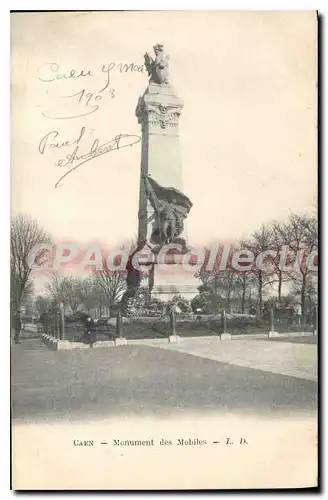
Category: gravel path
<point>286,358</point>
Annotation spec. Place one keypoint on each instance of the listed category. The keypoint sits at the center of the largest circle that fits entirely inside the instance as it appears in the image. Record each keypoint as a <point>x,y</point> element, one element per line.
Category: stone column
<point>158,112</point>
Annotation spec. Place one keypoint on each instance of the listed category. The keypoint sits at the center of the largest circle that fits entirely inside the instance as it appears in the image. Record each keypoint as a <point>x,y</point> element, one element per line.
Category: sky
<point>247,129</point>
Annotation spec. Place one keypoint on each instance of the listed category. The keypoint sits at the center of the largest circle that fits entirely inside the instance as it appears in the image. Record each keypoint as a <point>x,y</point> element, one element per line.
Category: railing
<point>53,324</point>
<point>174,324</point>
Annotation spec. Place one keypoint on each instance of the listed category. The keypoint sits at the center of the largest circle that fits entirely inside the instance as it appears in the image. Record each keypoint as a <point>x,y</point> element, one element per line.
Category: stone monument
<point>163,207</point>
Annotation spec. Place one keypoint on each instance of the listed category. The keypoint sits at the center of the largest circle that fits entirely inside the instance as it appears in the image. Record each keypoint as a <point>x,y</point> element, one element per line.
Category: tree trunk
<point>303,289</point>
<point>260,294</point>
<point>17,327</point>
<point>243,297</point>
<point>228,297</point>
<point>279,285</point>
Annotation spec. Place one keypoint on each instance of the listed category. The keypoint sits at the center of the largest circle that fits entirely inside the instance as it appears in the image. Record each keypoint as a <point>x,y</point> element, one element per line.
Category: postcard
<point>164,250</point>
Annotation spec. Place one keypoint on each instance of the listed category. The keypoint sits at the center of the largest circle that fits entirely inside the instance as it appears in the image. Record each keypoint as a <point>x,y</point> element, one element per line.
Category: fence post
<point>224,321</point>
<point>224,335</point>
<point>119,324</point>
<point>173,323</point>
<point>272,332</point>
<point>58,325</point>
<point>62,317</point>
<point>271,326</point>
<point>120,340</point>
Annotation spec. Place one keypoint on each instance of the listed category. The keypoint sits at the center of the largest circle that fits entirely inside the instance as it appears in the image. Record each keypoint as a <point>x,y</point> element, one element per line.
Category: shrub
<point>182,303</point>
<point>143,305</point>
<point>207,302</point>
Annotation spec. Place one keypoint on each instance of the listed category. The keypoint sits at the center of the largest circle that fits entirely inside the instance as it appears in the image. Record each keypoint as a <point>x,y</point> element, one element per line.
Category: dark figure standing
<point>17,328</point>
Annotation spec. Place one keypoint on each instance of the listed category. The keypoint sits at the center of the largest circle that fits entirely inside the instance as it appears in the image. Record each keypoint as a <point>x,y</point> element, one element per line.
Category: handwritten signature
<point>75,158</point>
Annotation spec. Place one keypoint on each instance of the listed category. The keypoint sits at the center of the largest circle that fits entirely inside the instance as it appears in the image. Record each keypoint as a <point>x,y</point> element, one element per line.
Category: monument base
<point>174,281</point>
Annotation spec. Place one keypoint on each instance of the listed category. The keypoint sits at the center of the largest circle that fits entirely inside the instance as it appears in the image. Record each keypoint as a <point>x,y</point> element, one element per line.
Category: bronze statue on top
<point>158,68</point>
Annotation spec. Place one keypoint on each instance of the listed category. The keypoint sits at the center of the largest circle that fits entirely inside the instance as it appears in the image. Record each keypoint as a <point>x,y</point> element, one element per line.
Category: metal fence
<point>55,324</point>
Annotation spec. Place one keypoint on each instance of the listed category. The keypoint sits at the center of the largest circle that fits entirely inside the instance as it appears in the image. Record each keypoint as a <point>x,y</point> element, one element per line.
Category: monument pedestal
<point>173,280</point>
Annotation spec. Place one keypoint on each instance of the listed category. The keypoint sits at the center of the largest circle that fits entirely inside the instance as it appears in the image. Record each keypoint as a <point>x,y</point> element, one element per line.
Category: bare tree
<point>28,298</point>
<point>42,304</point>
<point>300,233</point>
<point>278,240</point>
<point>64,290</point>
<point>25,234</point>
<point>260,242</point>
<point>245,287</point>
<point>228,283</point>
<point>205,277</point>
<point>86,290</point>
<point>112,283</point>
<point>217,281</point>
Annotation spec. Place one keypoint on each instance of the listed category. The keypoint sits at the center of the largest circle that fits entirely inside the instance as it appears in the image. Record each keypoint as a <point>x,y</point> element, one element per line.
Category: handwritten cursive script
<point>51,72</point>
<point>85,101</point>
<point>48,141</point>
<point>75,159</point>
